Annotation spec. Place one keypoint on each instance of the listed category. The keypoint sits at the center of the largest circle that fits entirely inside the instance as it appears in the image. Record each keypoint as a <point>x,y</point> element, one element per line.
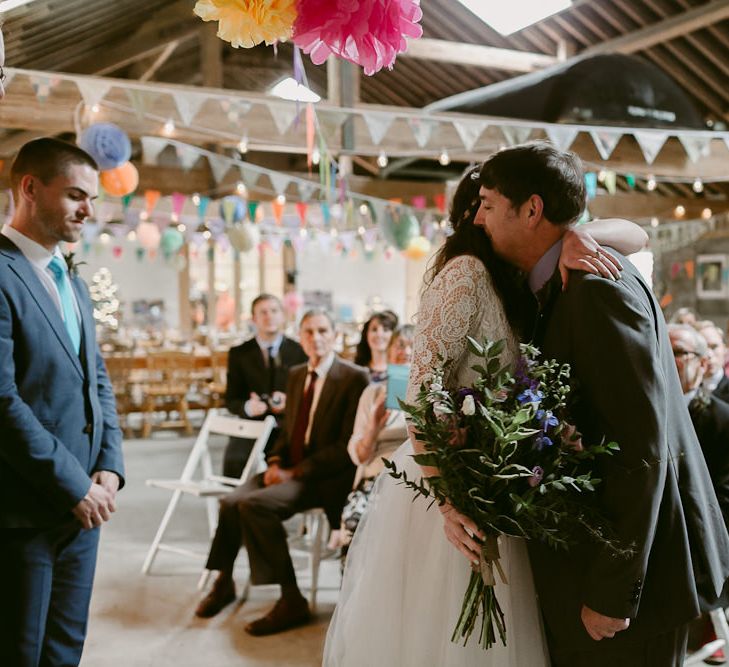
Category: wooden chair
<point>120,368</point>
<point>207,486</point>
<point>215,388</point>
<point>169,376</point>
<point>721,628</point>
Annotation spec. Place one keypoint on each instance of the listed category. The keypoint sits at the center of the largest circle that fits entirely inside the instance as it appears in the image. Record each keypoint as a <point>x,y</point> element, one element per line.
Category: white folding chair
<point>721,628</point>
<point>209,487</point>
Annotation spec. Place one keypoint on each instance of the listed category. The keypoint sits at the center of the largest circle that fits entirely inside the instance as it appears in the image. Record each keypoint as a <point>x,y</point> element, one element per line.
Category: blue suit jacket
<point>58,421</point>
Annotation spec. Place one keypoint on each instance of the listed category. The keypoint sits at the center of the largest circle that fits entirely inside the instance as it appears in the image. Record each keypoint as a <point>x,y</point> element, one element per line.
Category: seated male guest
<point>710,417</point>
<point>257,374</point>
<point>715,380</point>
<point>308,467</point>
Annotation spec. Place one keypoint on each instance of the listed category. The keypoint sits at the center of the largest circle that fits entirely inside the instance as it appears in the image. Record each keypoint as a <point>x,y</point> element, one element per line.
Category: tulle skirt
<point>403,589</point>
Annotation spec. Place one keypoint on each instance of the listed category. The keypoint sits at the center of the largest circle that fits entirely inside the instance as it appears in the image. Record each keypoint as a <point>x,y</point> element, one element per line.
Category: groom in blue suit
<point>60,443</point>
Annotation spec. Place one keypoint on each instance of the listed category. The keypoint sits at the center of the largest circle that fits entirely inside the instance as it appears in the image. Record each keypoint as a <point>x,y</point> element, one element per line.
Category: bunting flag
<point>151,149</point>
<point>92,90</point>
<point>219,166</point>
<point>252,209</point>
<point>9,76</point>
<point>423,130</point>
<point>650,143</point>
<point>695,147</point>
<point>611,182</point>
<point>188,103</point>
<point>202,206</point>
<point>283,115</point>
<point>228,207</point>
<point>250,177</point>
<point>515,134</point>
<point>561,136</point>
<point>347,240</point>
<point>187,155</point>
<point>469,131</point>
<point>276,243</point>
<point>301,208</point>
<point>151,197</point>
<point>139,101</point>
<point>330,124</point>
<point>280,182</point>
<point>178,203</point>
<point>377,125</point>
<point>605,141</point>
<point>591,184</point>
<point>419,202</point>
<point>306,189</point>
<point>630,180</point>
<point>41,86</point>
<point>126,201</point>
<point>440,201</point>
<point>235,109</point>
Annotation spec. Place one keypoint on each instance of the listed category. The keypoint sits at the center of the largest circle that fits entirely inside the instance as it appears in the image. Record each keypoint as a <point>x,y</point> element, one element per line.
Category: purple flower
<point>537,475</point>
<point>521,373</point>
<point>546,419</point>
<point>530,395</point>
<point>541,442</point>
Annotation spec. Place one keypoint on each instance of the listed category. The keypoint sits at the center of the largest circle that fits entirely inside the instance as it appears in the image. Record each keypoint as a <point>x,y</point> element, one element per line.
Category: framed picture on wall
<point>711,277</point>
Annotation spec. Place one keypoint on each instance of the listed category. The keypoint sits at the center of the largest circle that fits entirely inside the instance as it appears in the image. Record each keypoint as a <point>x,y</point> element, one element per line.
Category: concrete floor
<point>139,620</point>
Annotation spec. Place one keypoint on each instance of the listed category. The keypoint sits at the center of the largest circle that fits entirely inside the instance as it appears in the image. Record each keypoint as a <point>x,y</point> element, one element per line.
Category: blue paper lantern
<point>172,240</point>
<point>107,143</point>
<point>232,209</point>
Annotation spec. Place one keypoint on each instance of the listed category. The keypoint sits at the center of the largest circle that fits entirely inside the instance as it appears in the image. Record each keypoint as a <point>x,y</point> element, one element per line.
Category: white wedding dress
<point>404,582</point>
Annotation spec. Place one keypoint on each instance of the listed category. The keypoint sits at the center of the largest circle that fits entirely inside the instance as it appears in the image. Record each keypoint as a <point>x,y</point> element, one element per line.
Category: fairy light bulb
<point>207,234</point>
<point>281,199</point>
<point>444,158</point>
<point>382,160</point>
<point>132,235</point>
<point>679,211</point>
<point>240,188</point>
<point>95,109</point>
<point>654,222</point>
<point>243,145</point>
<point>169,128</point>
<point>361,230</point>
<point>181,227</point>
<point>698,186</point>
<point>315,156</point>
<point>706,213</point>
<point>363,210</point>
<point>196,199</point>
<point>651,183</point>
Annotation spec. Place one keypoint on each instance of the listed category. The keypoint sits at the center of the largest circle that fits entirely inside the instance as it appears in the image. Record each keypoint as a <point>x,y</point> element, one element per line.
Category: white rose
<point>441,410</point>
<point>436,386</point>
<point>469,406</point>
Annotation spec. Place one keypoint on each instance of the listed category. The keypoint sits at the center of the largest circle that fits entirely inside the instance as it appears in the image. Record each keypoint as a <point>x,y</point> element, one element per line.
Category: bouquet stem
<point>481,597</point>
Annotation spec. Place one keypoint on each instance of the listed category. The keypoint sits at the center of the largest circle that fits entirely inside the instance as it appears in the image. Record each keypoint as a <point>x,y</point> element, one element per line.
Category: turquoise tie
<point>64,291</point>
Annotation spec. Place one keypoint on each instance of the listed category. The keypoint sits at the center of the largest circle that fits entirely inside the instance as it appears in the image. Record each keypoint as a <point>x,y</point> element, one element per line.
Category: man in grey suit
<point>600,610</point>
<point>308,467</point>
<point>60,449</point>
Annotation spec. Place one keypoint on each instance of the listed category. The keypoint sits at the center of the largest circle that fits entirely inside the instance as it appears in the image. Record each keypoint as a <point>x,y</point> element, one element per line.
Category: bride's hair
<point>468,239</point>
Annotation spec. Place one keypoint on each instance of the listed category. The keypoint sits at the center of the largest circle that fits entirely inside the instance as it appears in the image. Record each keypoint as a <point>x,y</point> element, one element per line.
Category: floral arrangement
<point>72,264</point>
<point>370,34</point>
<point>508,458</point>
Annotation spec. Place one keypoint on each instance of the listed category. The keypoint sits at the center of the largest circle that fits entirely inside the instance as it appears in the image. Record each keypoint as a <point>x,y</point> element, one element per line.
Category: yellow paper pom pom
<point>247,23</point>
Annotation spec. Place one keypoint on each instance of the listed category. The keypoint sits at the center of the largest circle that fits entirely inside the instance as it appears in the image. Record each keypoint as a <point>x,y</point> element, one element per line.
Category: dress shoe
<point>220,596</point>
<point>287,613</point>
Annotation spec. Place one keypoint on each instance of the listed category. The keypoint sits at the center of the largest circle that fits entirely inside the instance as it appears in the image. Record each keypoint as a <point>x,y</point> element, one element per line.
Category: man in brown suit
<point>308,467</point>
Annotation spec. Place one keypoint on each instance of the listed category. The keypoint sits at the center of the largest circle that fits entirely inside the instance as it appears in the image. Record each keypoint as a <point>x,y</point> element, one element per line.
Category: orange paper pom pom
<point>247,23</point>
<point>120,181</point>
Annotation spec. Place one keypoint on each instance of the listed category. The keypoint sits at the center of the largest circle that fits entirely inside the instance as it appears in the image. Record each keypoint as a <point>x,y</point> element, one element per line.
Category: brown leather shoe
<point>287,613</point>
<point>219,597</point>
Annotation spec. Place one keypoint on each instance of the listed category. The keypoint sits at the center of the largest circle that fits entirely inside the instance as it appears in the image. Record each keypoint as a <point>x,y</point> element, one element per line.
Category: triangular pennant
<point>726,142</point>
<point>219,165</point>
<point>561,136</point>
<point>276,243</point>
<point>9,76</point>
<point>306,189</point>
<point>329,124</point>
<point>283,115</point>
<point>515,134</point>
<point>377,125</point>
<point>469,131</point>
<point>41,86</point>
<point>695,147</point>
<point>151,148</point>
<point>422,129</point>
<point>235,109</point>
<point>250,177</point>
<point>347,240</point>
<point>188,104</point>
<point>611,182</point>
<point>280,182</point>
<point>605,141</point>
<point>650,143</point>
<point>252,209</point>
<point>187,155</point>
<point>92,90</point>
<point>138,100</point>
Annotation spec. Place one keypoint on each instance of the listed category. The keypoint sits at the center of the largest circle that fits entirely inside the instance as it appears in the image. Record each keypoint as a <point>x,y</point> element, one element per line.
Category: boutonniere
<point>72,264</point>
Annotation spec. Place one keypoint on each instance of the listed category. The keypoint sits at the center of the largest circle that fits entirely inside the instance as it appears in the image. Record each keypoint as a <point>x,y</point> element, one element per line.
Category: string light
<point>240,188</point>
<point>207,234</point>
<point>104,237</point>
<point>651,184</point>
<point>363,209</point>
<point>382,160</point>
<point>698,186</point>
<point>654,222</point>
<point>315,156</point>
<point>196,199</point>
<point>444,158</point>
<point>361,230</point>
<point>95,109</point>
<point>169,128</point>
<point>181,227</point>
<point>132,235</point>
<point>144,216</point>
<point>243,145</point>
<point>303,233</point>
<point>679,211</point>
<point>281,199</point>
<point>706,213</point>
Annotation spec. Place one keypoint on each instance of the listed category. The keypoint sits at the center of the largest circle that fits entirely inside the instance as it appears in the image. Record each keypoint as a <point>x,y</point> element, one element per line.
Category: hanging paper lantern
<point>244,236</point>
<point>247,23</point>
<point>232,209</point>
<point>369,34</point>
<point>148,236</point>
<point>120,181</point>
<point>171,242</point>
<point>399,228</point>
<point>107,143</point>
<point>418,248</point>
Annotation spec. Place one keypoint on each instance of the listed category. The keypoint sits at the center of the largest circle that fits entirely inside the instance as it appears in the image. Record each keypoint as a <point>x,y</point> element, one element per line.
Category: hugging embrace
<point>515,268</point>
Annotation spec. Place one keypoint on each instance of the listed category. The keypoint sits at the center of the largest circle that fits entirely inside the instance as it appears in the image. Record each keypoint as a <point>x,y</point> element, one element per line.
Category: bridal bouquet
<point>509,459</point>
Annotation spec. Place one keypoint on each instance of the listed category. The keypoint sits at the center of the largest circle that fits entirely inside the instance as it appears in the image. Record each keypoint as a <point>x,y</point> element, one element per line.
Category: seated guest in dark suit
<point>710,417</point>
<point>257,374</point>
<point>308,467</point>
<point>715,380</point>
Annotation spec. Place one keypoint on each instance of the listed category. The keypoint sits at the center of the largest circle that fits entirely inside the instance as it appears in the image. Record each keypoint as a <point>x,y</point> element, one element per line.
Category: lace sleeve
<point>451,308</point>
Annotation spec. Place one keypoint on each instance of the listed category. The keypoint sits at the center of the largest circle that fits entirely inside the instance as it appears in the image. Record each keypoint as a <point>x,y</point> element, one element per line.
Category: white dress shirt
<point>40,258</point>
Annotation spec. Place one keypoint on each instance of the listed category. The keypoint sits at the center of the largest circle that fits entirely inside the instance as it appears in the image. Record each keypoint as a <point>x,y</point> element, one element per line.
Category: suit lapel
<point>331,382</point>
<point>25,272</point>
<point>88,349</point>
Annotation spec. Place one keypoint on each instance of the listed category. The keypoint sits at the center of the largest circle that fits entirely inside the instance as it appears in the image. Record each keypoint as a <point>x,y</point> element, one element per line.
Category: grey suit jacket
<point>656,491</point>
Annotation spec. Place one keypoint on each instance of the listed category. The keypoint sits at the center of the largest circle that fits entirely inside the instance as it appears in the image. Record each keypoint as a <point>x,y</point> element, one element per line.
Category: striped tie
<point>64,291</point>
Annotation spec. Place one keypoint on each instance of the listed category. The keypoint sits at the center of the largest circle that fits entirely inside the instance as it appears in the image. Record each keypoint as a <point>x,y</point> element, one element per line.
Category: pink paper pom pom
<point>369,33</point>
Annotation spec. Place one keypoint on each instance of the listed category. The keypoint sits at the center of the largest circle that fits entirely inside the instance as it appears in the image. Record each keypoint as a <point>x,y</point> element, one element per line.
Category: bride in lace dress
<point>404,583</point>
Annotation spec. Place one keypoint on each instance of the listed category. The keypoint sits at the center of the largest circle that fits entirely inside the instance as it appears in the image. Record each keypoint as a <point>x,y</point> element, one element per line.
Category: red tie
<point>298,437</point>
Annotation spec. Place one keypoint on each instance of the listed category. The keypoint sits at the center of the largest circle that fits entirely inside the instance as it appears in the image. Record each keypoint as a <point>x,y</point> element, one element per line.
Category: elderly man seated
<point>308,467</point>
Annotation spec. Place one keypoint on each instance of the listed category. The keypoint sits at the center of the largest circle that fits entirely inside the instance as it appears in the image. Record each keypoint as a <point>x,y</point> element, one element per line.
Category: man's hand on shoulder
<point>95,507</point>
<point>602,627</point>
